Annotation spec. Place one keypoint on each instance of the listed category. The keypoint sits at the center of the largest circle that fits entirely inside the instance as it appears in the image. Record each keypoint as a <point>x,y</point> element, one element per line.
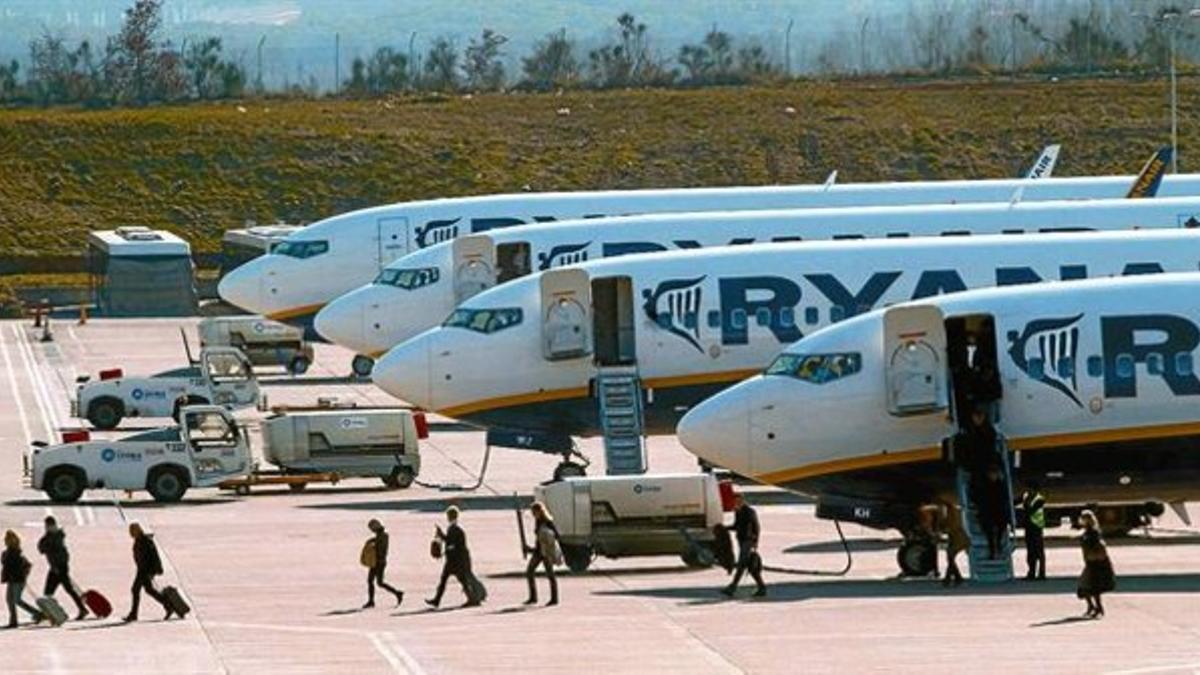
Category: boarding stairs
<point>619,390</point>
<point>983,567</point>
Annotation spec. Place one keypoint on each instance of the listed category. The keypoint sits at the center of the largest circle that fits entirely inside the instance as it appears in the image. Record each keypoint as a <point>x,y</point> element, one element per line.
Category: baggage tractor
<point>97,604</point>
<point>175,601</point>
<point>53,611</point>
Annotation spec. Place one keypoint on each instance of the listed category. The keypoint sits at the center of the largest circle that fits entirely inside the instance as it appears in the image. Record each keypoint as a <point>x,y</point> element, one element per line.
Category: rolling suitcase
<point>175,601</point>
<point>53,611</point>
<point>96,603</point>
<point>475,590</point>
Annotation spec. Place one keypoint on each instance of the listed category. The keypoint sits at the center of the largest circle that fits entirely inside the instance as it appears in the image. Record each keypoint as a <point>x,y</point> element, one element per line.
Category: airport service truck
<point>648,515</point>
<point>346,441</point>
<point>204,449</point>
<point>263,341</point>
<point>221,376</point>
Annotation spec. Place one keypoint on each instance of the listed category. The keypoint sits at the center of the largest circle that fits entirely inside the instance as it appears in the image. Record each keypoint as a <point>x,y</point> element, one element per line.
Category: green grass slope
<point>200,169</point>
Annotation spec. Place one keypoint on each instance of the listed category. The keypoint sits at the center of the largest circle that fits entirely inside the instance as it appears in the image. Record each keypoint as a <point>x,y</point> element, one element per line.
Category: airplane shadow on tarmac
<point>864,545</point>
<point>799,591</point>
<point>126,504</point>
<point>465,500</point>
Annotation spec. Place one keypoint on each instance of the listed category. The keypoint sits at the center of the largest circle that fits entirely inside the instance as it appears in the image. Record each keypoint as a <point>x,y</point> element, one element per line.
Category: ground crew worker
<point>747,529</point>
<point>543,552</point>
<point>53,545</point>
<point>1034,505</point>
<point>149,565</point>
<point>956,542</point>
<point>14,571</point>
<point>457,558</point>
<point>379,548</point>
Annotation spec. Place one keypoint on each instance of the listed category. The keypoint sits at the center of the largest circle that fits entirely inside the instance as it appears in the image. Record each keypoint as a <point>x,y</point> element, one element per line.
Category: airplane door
<point>391,239</point>
<point>566,309</point>
<point>914,343</point>
<point>474,259</point>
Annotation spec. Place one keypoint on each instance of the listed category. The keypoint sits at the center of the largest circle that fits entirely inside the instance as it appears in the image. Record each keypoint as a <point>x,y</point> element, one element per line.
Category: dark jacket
<point>14,567</point>
<point>975,448</point>
<point>745,525</point>
<point>457,555</point>
<point>381,548</point>
<point>145,556</point>
<point>53,545</point>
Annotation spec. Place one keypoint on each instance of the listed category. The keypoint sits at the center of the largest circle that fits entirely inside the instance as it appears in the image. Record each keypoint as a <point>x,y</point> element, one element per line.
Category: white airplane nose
<point>240,288</point>
<point>341,323</point>
<point>404,372</point>
<point>718,431</point>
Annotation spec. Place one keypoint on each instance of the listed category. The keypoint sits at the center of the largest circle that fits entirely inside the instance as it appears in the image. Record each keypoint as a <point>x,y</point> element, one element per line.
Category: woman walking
<point>14,571</point>
<point>544,552</point>
<point>1098,576</point>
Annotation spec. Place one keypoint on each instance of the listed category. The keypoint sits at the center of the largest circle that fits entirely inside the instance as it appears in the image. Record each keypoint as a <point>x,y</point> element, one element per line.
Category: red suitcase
<point>97,604</point>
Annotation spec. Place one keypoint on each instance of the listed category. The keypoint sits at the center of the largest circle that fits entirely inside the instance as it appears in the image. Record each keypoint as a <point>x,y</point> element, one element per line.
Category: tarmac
<point>276,586</point>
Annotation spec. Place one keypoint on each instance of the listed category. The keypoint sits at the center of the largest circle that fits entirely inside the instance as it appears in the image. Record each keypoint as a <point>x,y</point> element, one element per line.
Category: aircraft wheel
<point>917,558</point>
<point>362,365</point>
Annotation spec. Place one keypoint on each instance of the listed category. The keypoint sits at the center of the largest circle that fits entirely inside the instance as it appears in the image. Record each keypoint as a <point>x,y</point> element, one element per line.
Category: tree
<point>60,75</point>
<point>629,62</point>
<point>8,80</point>
<point>441,66</point>
<point>387,71</point>
<point>711,61</point>
<point>203,64</point>
<point>753,63</point>
<point>485,71</point>
<point>138,68</point>
<point>552,63</point>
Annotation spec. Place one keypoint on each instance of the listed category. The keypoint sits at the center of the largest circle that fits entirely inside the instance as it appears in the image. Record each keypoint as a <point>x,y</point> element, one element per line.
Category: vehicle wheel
<point>400,477</point>
<point>699,557</point>
<point>297,487</point>
<point>569,470</point>
<point>916,558</point>
<point>105,414</point>
<point>577,556</point>
<point>167,485</point>
<point>299,365</point>
<point>362,365</point>
<point>65,486</point>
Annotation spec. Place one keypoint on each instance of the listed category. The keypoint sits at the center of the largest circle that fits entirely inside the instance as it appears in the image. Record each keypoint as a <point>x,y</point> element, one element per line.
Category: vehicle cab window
<point>227,368</point>
<point>301,249</point>
<point>210,430</point>
<point>409,279</point>
<point>486,321</point>
<point>817,368</point>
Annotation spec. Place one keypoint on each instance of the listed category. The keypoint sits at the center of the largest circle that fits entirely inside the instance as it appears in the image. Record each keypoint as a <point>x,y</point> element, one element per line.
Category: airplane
<point>1097,404</point>
<point>333,256</point>
<point>419,290</point>
<point>531,358</point>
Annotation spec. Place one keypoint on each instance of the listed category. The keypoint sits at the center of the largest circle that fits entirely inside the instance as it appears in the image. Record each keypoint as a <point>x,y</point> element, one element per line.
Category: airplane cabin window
<point>663,319</point>
<point>1183,363</point>
<point>714,319</point>
<point>836,313</point>
<point>690,320</point>
<point>1037,368</point>
<point>812,316</point>
<point>787,317</point>
<point>1125,366</point>
<point>1066,368</point>
<point>1095,366</point>
<point>1154,363</point>
<point>486,321</point>
<point>816,368</point>
<point>737,318</point>
<point>763,316</point>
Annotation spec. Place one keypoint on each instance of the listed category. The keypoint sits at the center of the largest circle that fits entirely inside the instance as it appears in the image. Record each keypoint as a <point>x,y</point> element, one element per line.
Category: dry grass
<point>201,169</point>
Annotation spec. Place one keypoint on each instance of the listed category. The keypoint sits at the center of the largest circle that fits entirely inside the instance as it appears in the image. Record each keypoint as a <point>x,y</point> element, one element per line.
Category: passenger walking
<point>994,510</point>
<point>14,572</point>
<point>544,552</point>
<point>149,565</point>
<point>747,530</point>
<point>1098,577</point>
<point>375,552</point>
<point>53,545</point>
<point>457,559</point>
<point>1034,505</point>
<point>950,517</point>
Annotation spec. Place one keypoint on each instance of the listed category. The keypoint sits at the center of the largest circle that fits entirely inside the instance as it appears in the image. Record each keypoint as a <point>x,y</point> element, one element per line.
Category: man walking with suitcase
<point>747,529</point>
<point>457,563</point>
<point>53,545</point>
<point>378,546</point>
<point>149,565</point>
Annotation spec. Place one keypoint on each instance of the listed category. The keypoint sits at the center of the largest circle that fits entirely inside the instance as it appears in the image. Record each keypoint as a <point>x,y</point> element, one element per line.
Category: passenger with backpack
<point>545,552</point>
<point>149,565</point>
<point>374,558</point>
<point>747,529</point>
<point>14,572</point>
<point>53,545</point>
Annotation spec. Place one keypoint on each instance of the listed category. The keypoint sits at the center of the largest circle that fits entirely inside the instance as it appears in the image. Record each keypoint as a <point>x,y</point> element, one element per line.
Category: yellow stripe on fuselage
<point>285,314</point>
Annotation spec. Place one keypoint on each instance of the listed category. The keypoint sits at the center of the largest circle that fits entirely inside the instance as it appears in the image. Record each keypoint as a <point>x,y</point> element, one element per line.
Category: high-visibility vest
<point>1035,510</point>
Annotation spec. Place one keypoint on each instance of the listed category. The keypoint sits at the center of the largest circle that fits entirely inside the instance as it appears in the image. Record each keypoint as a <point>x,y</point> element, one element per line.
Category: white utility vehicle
<point>222,376</point>
<point>206,448</point>
<point>263,341</point>
<point>624,516</point>
<point>348,441</point>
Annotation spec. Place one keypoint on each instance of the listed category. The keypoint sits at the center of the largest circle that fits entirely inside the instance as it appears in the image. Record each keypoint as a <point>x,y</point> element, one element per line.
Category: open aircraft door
<point>914,350</point>
<point>566,314</point>
<point>474,260</point>
<point>391,239</point>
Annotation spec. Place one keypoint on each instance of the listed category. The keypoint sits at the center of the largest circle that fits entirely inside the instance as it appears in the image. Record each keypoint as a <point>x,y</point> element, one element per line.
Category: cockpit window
<point>409,279</point>
<point>300,249</point>
<point>816,368</point>
<point>485,321</point>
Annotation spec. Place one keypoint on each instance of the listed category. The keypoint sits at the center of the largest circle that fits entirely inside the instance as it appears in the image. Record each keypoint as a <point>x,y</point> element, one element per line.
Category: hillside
<point>200,169</point>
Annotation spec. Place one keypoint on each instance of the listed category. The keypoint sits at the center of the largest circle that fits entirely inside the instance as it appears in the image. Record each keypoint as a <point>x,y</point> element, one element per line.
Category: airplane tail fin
<point>1043,166</point>
<point>1150,177</point>
<point>830,180</point>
